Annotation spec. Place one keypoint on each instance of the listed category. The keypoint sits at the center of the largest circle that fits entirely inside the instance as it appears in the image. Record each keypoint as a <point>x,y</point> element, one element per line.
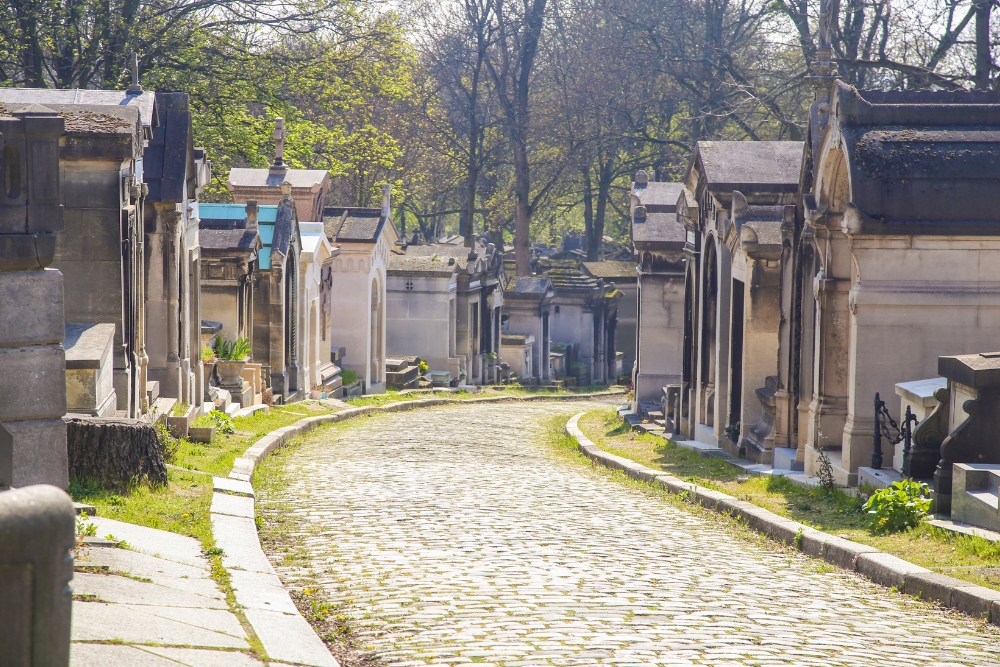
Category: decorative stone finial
<point>641,178</point>
<point>386,200</point>
<point>286,189</point>
<point>279,142</point>
<point>136,87</point>
<point>639,214</point>
<point>252,210</point>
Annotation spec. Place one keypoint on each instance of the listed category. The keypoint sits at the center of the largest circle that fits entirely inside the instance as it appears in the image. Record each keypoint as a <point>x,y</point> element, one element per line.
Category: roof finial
<point>136,87</point>
<point>279,142</point>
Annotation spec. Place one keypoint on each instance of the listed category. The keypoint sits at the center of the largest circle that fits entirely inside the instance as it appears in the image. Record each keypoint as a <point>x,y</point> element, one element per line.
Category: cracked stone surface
<point>455,535</point>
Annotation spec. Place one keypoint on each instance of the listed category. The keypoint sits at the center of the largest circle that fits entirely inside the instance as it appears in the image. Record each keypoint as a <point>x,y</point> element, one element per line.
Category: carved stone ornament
<point>974,441</point>
<point>927,438</point>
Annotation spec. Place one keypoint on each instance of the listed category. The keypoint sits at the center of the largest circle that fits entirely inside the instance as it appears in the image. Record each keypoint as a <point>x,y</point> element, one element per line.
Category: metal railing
<point>883,422</point>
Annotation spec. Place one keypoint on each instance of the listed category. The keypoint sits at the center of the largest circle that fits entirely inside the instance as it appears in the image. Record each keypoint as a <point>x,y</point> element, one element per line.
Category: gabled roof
<point>242,177</point>
<point>529,286</point>
<point>750,166</point>
<point>144,102</point>
<point>168,159</point>
<point>360,225</point>
<point>228,239</point>
<point>611,270</point>
<point>658,195</point>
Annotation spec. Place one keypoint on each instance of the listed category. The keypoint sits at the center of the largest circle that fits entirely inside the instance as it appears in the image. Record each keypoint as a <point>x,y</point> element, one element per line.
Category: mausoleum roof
<point>427,265</point>
<point>611,270</point>
<point>348,224</point>
<point>228,239</point>
<point>920,162</point>
<point>658,195</point>
<point>750,166</point>
<point>12,98</point>
<point>242,177</point>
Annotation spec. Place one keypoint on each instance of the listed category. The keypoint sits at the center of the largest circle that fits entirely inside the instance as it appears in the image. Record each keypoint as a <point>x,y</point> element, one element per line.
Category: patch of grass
<point>180,409</point>
<point>969,558</point>
<point>182,506</point>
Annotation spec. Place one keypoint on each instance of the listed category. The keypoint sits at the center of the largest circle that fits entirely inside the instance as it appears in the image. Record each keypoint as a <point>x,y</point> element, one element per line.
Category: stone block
<point>975,601</point>
<point>32,306</point>
<point>843,553</point>
<point>974,493</point>
<point>38,528</point>
<point>931,586</point>
<point>886,569</point>
<point>784,459</point>
<point>224,503</point>
<point>226,485</point>
<point>34,383</point>
<point>260,590</point>
<point>39,453</point>
<point>289,638</point>
<point>89,371</point>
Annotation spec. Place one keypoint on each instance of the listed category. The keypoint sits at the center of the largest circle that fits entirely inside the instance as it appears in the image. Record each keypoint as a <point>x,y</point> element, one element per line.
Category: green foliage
<point>167,442</point>
<point>348,376</point>
<point>898,507</point>
<point>237,350</point>
<point>220,420</point>
<point>424,368</point>
<point>180,409</point>
<point>207,354</point>
<point>84,528</point>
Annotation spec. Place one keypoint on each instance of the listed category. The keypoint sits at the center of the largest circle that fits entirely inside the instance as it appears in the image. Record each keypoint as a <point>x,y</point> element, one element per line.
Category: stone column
<point>32,359</point>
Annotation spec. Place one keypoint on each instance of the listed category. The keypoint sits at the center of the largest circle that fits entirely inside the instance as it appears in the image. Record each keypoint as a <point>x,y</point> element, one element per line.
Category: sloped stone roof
<point>611,270</point>
<point>353,224</point>
<point>750,166</point>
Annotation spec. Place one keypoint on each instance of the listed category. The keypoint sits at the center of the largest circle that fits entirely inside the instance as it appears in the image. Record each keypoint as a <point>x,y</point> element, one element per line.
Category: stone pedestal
<point>32,361</point>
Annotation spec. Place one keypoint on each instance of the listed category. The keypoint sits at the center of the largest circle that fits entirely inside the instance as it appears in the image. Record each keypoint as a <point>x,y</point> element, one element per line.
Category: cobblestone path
<point>453,535</point>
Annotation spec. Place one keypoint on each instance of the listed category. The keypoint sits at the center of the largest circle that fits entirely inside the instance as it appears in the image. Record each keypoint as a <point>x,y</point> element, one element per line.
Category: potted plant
<point>318,392</point>
<point>232,358</point>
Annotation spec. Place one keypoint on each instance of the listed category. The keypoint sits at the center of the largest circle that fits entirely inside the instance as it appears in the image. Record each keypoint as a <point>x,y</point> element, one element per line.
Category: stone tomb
<point>658,238</point>
<point>89,374</point>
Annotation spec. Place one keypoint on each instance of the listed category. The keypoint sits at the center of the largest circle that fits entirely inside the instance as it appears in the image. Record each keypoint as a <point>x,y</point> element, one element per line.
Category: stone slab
<point>965,529</point>
<point>134,624</point>
<point>193,657</point>
<point>237,537</point>
<point>150,541</point>
<point>880,478</point>
<point>784,459</point>
<point>259,590</point>
<point>224,503</point>
<point>289,638</point>
<point>233,486</point>
<point>171,574</point>
<point>33,308</point>
<point>701,448</point>
<point>40,456</point>
<point>113,588</point>
<point>114,655</point>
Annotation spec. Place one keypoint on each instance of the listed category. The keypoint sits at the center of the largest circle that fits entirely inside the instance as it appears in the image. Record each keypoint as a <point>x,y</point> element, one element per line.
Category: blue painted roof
<point>266,217</point>
<point>265,213</point>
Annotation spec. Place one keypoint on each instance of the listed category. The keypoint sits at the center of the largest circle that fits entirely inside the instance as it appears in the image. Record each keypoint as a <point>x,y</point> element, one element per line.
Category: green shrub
<point>220,420</point>
<point>207,354</point>
<point>898,507</point>
<point>237,350</point>
<point>169,443</point>
<point>348,376</point>
<point>424,368</point>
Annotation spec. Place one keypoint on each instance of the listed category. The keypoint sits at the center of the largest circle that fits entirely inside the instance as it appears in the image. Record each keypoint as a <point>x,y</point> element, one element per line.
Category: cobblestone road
<point>454,536</point>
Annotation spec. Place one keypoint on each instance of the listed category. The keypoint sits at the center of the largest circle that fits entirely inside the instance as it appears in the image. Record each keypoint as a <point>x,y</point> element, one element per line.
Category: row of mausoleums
<point>783,284</point>
<point>103,215</point>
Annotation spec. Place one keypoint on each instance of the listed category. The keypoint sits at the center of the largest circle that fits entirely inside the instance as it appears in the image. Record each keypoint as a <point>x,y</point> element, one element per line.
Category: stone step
<point>879,479</point>
<point>162,407</point>
<point>232,409</point>
<point>784,459</point>
<point>152,390</point>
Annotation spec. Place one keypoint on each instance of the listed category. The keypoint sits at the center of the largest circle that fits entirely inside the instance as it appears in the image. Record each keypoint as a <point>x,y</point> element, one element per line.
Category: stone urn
<point>229,372</point>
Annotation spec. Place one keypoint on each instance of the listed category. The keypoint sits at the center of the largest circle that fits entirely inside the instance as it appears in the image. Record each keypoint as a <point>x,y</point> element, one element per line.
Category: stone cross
<point>136,87</point>
<point>279,141</point>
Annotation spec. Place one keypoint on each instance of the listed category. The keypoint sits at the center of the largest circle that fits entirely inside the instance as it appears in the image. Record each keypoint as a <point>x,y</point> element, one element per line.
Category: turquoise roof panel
<point>266,233</point>
<point>236,212</point>
<point>264,259</point>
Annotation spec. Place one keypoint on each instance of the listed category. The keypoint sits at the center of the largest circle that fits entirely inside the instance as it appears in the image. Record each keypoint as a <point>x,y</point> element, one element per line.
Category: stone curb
<point>287,637</point>
<point>877,566</point>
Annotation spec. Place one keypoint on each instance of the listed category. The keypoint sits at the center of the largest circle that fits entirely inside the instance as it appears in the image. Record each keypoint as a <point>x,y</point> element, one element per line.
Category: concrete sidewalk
<point>152,604</point>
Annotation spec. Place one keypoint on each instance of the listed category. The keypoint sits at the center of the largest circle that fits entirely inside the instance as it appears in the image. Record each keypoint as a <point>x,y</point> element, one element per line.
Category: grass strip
<point>964,557</point>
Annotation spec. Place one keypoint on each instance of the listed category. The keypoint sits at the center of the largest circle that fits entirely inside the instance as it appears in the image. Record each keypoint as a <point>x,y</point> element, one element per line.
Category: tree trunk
<point>603,194</point>
<point>116,453</point>
<point>588,215</point>
<point>522,215</point>
<point>984,60</point>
